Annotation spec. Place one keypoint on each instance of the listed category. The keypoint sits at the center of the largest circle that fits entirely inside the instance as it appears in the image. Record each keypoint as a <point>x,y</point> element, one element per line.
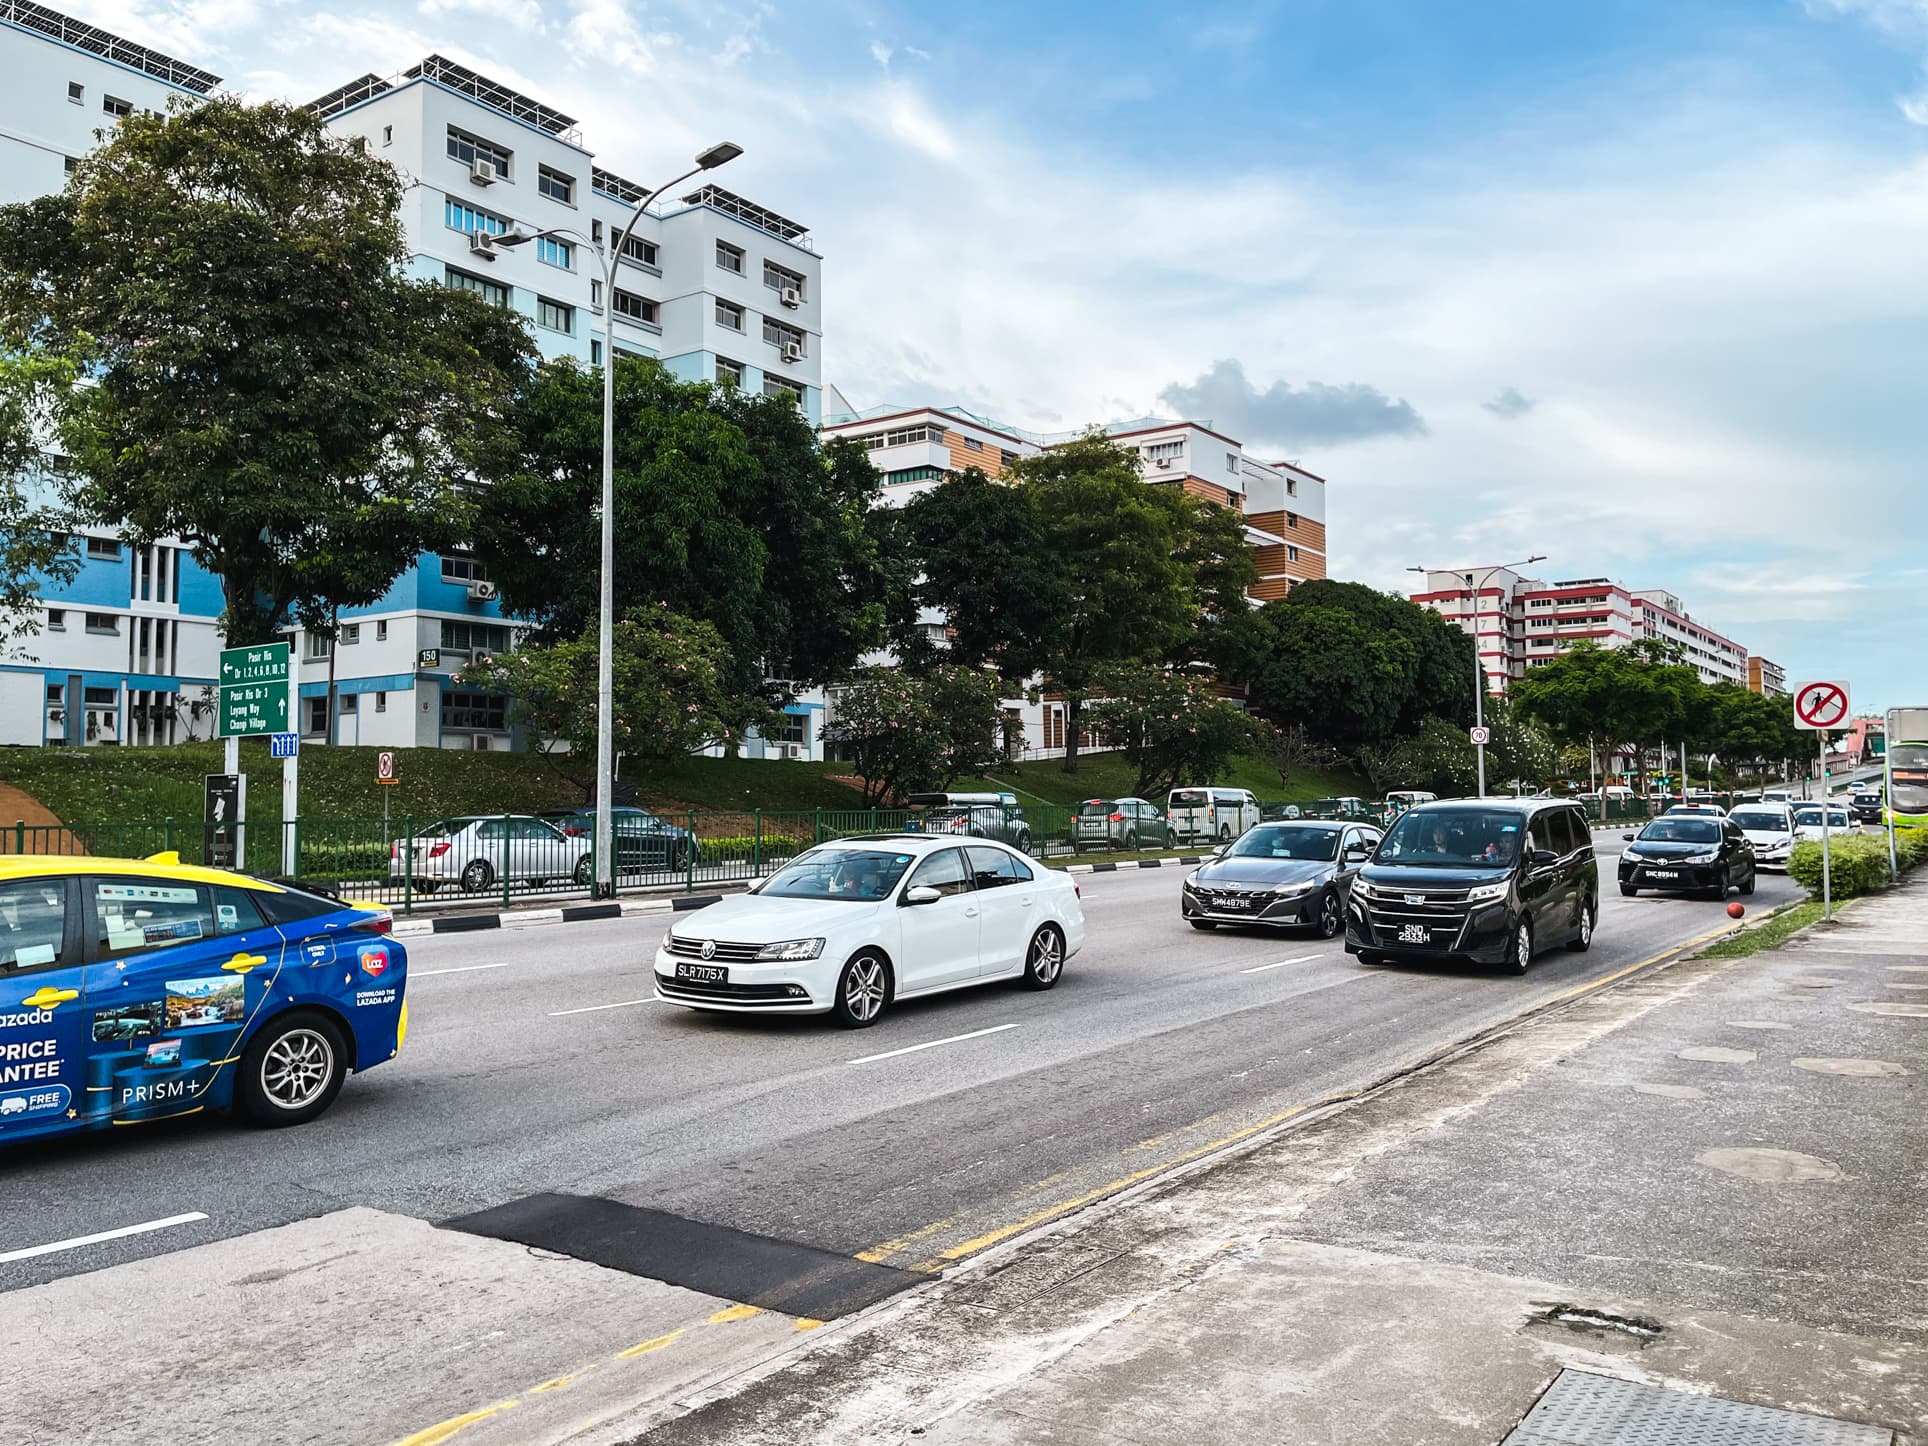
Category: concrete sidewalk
<point>1712,1179</point>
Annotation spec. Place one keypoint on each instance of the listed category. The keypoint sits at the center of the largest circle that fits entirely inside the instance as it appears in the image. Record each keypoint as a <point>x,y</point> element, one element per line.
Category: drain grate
<point>1583,1409</point>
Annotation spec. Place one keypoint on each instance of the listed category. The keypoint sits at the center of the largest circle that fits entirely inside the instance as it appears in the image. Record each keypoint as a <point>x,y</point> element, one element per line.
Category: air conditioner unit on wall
<point>792,353</point>
<point>482,172</point>
<point>791,297</point>
<point>481,246</point>
<point>793,750</point>
<point>481,591</point>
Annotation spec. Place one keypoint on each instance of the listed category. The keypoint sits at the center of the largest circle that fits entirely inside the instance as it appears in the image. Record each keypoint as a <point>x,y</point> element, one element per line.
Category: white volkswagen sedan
<point>1770,828</point>
<point>851,927</point>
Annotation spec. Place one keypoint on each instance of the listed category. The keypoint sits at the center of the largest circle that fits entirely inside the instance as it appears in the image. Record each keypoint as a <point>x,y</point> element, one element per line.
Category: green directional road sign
<point>254,690</point>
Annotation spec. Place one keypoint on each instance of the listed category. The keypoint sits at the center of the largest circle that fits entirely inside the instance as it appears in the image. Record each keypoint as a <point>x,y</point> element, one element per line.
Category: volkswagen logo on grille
<point>708,951</point>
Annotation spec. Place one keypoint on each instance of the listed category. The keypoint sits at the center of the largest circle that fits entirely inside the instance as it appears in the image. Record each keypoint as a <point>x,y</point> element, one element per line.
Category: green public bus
<point>1908,784</point>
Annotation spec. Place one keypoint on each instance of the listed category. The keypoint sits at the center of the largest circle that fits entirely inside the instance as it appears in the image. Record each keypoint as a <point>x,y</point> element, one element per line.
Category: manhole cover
<point>1583,1409</point>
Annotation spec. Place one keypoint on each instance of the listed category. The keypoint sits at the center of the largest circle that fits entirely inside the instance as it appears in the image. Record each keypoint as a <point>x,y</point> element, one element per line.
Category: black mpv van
<point>1483,880</point>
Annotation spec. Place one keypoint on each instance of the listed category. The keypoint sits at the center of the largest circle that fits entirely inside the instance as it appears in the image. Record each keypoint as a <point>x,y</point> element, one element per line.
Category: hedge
<point>1859,861</point>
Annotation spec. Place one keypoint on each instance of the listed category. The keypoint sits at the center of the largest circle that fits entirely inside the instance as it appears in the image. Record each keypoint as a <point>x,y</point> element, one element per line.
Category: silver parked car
<point>1117,823</point>
<point>476,852</point>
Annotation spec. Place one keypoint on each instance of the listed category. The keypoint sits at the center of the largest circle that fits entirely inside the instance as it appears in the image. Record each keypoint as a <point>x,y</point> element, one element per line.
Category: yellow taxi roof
<point>159,866</point>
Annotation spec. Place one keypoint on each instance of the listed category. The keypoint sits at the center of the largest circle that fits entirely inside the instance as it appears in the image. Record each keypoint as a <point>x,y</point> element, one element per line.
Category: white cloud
<point>880,53</point>
<point>524,15</point>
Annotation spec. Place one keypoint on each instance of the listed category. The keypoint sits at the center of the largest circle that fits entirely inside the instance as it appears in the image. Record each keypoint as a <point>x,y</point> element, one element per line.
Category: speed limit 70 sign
<point>1481,736</point>
<point>1821,705</point>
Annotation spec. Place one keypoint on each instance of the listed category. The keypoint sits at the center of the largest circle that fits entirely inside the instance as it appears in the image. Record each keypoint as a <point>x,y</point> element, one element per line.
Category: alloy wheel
<point>1330,917</point>
<point>864,988</point>
<point>1047,957</point>
<point>297,1068</point>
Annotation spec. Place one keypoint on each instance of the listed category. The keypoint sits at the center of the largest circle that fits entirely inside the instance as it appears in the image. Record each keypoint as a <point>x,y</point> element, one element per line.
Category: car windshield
<point>1270,841</point>
<point>856,875</point>
<point>1811,817</point>
<point>1760,820</point>
<point>1453,838</point>
<point>1681,830</point>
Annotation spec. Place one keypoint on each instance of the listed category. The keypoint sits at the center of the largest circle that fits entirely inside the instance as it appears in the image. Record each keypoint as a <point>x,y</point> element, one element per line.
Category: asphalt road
<point>536,1061</point>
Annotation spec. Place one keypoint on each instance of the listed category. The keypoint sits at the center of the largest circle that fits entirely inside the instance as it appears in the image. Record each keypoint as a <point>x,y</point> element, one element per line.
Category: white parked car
<point>1209,815</point>
<point>479,852</point>
<point>1770,828</point>
<point>1807,821</point>
<point>851,927</point>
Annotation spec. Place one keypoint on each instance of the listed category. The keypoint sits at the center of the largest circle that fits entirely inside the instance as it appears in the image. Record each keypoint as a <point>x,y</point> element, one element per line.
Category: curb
<point>532,918</point>
<point>1131,864</point>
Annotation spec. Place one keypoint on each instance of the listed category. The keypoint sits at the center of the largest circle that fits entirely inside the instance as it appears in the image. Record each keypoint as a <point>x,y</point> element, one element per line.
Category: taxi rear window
<point>33,923</point>
<point>292,905</point>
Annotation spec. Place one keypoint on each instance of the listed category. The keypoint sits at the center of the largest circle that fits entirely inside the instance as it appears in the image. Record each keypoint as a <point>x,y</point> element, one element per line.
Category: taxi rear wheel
<point>292,1070</point>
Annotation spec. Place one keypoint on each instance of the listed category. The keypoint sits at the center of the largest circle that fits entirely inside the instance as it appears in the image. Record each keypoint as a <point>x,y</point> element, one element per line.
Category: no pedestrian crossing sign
<point>254,690</point>
<point>1821,705</point>
<point>385,768</point>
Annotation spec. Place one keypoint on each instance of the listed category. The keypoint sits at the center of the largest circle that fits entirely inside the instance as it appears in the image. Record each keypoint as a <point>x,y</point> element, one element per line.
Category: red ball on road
<point>1736,909</point>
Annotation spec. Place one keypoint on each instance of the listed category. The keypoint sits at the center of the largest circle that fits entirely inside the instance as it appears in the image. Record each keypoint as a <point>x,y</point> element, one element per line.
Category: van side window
<point>1540,834</point>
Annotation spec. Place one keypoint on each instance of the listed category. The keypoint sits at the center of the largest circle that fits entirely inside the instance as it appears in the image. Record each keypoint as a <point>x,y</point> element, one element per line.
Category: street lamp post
<point>1479,668</point>
<point>706,160</point>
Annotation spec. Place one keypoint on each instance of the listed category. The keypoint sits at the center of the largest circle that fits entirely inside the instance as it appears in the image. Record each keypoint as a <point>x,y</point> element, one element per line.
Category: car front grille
<point>748,994</point>
<point>722,953</point>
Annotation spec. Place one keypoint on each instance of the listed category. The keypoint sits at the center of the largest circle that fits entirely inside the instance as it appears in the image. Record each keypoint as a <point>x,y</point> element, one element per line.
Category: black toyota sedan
<point>1481,880</point>
<point>1284,875</point>
<point>1688,855</point>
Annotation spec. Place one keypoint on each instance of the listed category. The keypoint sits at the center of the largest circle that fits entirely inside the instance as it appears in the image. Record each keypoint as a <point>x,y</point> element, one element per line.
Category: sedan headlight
<point>1485,893</point>
<point>790,951</point>
<point>1705,856</point>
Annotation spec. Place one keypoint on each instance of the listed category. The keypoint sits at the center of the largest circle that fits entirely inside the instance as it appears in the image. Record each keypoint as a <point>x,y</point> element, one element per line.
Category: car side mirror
<point>1358,854</point>
<point>922,894</point>
<point>1219,852</point>
<point>1628,837</point>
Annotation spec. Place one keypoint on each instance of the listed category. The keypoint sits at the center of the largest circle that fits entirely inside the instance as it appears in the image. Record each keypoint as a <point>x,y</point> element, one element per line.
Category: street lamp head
<point>514,236</point>
<point>719,154</point>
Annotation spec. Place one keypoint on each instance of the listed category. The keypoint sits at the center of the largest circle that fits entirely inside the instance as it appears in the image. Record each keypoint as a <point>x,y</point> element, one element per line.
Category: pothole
<point>1854,1068</point>
<point>1671,1092</point>
<point>1718,1054</point>
<point>1773,1167</point>
<point>1757,1024</point>
<point>1587,1321</point>
<point>1894,1011</point>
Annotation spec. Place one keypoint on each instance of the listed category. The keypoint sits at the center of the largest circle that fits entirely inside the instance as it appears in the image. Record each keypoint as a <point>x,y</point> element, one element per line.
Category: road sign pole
<point>231,763</point>
<point>291,768</point>
<point>1889,728</point>
<point>1827,878</point>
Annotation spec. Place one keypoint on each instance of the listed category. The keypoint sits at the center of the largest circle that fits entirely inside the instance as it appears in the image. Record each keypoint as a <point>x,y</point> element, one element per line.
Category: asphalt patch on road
<point>757,1270</point>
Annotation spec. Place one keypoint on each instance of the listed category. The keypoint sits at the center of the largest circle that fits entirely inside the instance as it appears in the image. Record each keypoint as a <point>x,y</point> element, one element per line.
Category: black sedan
<point>643,841</point>
<point>1688,854</point>
<point>1286,875</point>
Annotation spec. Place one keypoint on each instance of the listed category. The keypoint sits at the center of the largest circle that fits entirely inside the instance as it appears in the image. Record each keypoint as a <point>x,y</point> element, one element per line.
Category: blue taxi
<point>142,989</point>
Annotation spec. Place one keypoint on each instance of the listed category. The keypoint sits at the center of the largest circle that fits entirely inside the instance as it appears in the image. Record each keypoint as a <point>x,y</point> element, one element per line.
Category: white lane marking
<point>1302,959</point>
<point>592,1008</point>
<point>459,969</point>
<point>80,1240</point>
<point>932,1044</point>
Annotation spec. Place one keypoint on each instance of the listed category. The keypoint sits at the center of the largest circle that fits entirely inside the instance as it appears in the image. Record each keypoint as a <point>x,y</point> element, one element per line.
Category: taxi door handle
<point>48,997</point>
<point>242,963</point>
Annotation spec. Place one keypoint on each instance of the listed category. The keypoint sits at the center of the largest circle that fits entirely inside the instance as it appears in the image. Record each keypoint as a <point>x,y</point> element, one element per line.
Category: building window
<point>555,252</point>
<point>781,335</point>
<point>914,474</point>
<point>729,257</point>
<point>103,623</point>
<point>381,702</point>
<point>1292,487</point>
<point>1008,458</point>
<point>116,107</point>
<point>779,278</point>
<point>350,634</point>
<point>1165,451</point>
<point>460,567</point>
<point>556,186</point>
<point>730,315</point>
<point>57,619</point>
<point>381,631</point>
<point>1292,519</point>
<point>595,232</point>
<point>778,387</point>
<point>595,292</point>
<point>1292,554</point>
<point>555,315</point>
<point>462,217</point>
<point>348,703</point>
<point>469,149</point>
<point>73,164</point>
<point>99,697</point>
<point>56,693</point>
<point>729,372</point>
<point>906,436</point>
<point>642,252</point>
<point>463,637</point>
<point>104,549</point>
<point>317,715</point>
<point>636,308</point>
<point>315,647</point>
<point>788,728</point>
<point>595,352</point>
<point>474,711</point>
<point>388,135</point>
<point>489,291</point>
<point>76,92</point>
<point>972,442</point>
<point>1231,463</point>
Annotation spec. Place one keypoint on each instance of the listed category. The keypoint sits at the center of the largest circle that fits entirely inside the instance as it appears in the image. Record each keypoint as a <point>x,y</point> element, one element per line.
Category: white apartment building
<point>1518,622</point>
<point>711,284</point>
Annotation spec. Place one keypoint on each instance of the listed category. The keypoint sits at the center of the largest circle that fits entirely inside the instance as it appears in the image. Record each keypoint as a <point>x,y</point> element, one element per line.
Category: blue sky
<point>1639,284</point>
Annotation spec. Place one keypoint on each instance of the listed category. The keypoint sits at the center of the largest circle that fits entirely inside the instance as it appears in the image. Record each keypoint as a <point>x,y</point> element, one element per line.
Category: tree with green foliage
<point>1127,594</point>
<point>1170,727</point>
<point>1612,699</point>
<point>264,382</point>
<point>726,510</point>
<point>1329,671</point>
<point>670,697</point>
<point>1442,653</point>
<point>34,547</point>
<point>904,732</point>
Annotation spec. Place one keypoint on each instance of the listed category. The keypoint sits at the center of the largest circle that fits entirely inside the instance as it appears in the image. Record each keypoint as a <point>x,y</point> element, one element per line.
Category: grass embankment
<point>1771,933</point>
<point>1108,775</point>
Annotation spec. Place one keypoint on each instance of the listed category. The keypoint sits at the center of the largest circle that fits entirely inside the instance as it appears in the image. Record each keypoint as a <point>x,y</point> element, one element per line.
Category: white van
<point>1216,815</point>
